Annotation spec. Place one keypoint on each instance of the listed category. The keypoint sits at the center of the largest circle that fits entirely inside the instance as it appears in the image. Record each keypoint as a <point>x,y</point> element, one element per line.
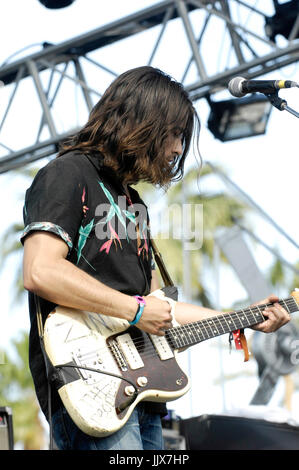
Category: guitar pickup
<point>162,347</point>
<point>130,352</point>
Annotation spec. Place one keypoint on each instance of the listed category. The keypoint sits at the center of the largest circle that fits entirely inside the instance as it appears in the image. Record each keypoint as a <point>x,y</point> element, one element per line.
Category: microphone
<point>239,86</point>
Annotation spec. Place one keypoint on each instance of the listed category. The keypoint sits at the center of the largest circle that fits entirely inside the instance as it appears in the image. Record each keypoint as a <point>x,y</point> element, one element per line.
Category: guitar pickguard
<point>124,357</point>
<point>154,377</point>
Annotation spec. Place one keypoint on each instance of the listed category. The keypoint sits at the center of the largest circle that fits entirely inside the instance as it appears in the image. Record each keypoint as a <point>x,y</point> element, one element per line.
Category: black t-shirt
<point>107,233</point>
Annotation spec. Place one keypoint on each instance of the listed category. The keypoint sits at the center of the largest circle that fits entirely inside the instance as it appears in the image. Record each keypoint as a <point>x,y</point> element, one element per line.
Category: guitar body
<point>106,367</point>
<point>98,402</point>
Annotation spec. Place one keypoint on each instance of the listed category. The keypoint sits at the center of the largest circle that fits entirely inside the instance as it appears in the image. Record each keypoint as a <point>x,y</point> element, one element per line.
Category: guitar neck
<point>193,333</point>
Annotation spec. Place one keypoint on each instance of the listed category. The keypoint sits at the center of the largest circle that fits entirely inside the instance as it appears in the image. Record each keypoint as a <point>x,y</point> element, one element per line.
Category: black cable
<point>50,417</point>
<point>61,366</point>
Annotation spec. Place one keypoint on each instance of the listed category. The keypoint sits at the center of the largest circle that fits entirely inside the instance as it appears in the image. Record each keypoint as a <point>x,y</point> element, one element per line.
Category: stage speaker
<point>6,429</point>
<point>219,432</point>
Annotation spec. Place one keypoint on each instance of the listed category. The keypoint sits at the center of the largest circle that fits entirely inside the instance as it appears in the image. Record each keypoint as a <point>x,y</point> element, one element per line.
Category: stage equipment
<point>220,432</point>
<point>6,429</point>
<point>54,4</point>
<point>74,59</point>
<point>239,86</point>
<point>236,119</point>
<point>275,354</point>
<point>235,249</point>
<point>284,22</point>
<point>171,432</point>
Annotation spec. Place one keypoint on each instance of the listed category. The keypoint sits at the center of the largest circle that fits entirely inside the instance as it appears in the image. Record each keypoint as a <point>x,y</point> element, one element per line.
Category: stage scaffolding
<point>78,60</point>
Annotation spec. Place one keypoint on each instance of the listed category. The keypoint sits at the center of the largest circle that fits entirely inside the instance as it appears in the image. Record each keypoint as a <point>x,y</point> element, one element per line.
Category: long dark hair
<point>130,124</point>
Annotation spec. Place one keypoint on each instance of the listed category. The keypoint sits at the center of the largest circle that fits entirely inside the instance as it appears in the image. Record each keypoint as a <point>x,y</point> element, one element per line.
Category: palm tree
<point>16,385</point>
<point>296,277</point>
<point>219,210</point>
<point>281,278</point>
<point>17,392</point>
<point>11,245</point>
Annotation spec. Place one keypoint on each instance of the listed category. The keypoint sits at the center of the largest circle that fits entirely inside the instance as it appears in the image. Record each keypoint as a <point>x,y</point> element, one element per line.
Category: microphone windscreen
<point>235,87</point>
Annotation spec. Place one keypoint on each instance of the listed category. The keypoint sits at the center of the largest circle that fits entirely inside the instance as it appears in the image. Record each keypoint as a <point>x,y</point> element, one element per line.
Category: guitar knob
<point>129,390</point>
<point>142,381</point>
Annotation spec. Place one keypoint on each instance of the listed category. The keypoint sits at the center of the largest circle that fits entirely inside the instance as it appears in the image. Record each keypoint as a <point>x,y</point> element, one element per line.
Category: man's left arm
<point>275,315</point>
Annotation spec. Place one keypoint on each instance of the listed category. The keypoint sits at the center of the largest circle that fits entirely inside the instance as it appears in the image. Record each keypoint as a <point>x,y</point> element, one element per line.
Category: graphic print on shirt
<point>122,214</point>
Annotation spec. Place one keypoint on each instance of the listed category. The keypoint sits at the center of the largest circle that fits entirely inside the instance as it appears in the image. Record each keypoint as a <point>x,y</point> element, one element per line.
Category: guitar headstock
<point>295,294</point>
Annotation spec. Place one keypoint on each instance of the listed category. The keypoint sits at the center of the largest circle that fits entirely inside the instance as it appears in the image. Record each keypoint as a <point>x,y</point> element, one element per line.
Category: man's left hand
<point>275,315</point>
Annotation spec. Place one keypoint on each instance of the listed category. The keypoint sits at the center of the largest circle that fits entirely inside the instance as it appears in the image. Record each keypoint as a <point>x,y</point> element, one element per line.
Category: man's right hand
<point>156,316</point>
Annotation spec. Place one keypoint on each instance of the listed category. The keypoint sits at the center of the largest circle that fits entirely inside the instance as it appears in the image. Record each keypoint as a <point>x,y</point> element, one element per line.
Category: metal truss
<point>48,95</point>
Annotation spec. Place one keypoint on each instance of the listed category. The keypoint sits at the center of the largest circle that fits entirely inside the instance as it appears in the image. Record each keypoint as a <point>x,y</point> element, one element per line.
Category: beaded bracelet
<point>141,305</point>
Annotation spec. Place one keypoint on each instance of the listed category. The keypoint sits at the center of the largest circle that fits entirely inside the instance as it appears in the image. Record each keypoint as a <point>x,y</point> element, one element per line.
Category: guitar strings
<point>202,327</point>
<point>207,326</point>
<point>218,325</point>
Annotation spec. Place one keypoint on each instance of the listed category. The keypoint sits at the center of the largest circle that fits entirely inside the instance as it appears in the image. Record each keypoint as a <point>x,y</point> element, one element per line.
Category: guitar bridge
<point>118,355</point>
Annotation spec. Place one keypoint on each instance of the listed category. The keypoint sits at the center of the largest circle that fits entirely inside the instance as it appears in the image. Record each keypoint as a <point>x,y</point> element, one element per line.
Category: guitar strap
<point>170,289</point>
<point>49,367</point>
<point>240,342</point>
<point>158,258</point>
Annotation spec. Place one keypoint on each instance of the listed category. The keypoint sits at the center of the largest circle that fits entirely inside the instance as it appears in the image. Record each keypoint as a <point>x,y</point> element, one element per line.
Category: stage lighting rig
<point>283,21</point>
<point>55,4</point>
<point>238,118</point>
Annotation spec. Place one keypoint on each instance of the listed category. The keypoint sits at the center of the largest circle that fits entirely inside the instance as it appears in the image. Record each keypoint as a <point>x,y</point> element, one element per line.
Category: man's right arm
<point>51,276</point>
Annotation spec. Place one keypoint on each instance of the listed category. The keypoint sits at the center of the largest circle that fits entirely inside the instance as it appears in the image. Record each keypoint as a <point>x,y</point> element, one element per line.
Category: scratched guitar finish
<point>114,366</point>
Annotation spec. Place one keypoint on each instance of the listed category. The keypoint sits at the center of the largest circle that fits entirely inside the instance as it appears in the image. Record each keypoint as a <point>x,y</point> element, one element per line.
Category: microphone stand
<point>280,104</point>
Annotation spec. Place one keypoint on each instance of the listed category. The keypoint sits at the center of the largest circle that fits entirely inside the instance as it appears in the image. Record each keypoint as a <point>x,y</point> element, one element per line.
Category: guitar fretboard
<point>193,333</point>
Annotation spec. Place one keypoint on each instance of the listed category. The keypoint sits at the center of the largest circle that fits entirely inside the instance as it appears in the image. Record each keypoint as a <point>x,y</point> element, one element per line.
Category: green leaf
<point>84,233</point>
<point>114,205</point>
<point>130,216</point>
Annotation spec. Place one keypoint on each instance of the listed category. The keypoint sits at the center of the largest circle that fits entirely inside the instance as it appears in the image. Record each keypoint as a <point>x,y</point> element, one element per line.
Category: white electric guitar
<point>105,367</point>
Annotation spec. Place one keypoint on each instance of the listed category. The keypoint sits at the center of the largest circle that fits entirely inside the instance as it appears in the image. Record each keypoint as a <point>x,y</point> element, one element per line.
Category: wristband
<point>141,305</point>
